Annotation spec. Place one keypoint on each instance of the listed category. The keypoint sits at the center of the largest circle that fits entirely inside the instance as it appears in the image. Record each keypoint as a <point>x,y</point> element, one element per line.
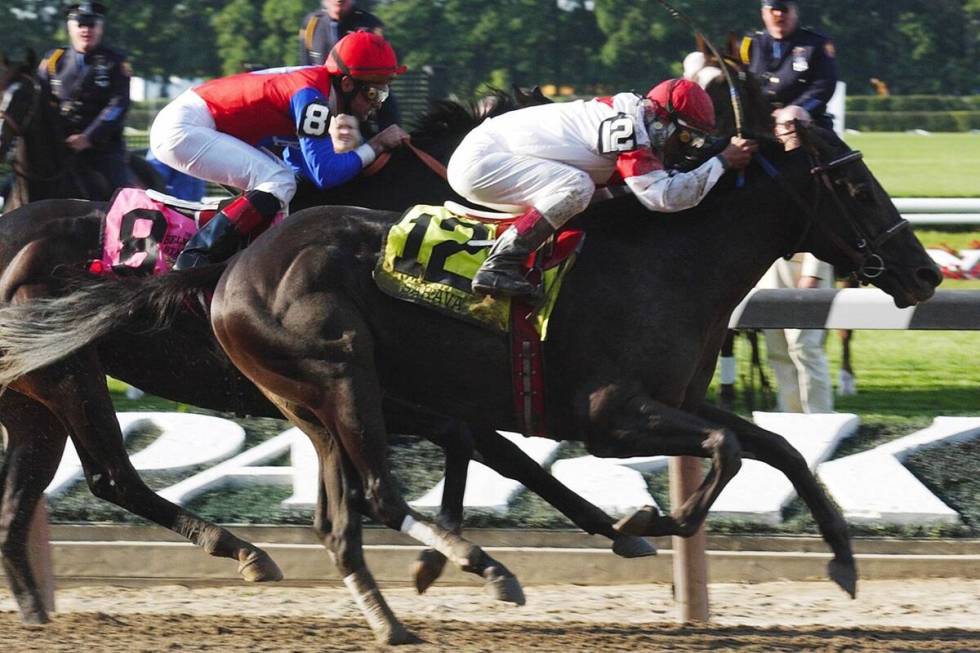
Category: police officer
<point>323,28</point>
<point>796,66</point>
<point>91,84</point>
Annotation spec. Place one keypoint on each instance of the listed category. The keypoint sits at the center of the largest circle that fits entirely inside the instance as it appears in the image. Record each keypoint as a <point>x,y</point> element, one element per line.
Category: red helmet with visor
<point>684,102</point>
<point>365,56</point>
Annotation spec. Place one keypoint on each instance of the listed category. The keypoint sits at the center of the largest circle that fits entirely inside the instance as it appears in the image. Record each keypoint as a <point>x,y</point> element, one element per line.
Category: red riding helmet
<point>685,102</point>
<point>364,55</point>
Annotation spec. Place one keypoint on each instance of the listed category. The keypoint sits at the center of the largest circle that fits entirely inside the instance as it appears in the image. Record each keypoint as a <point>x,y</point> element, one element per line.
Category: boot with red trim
<point>224,234</point>
<point>502,274</point>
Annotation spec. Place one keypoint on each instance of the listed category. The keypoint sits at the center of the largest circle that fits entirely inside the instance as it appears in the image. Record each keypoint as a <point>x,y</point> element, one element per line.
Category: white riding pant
<point>797,356</point>
<point>184,137</point>
<point>485,171</point>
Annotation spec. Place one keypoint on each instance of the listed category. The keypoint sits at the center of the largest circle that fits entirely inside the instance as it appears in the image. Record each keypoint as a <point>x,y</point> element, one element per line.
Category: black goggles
<point>375,93</point>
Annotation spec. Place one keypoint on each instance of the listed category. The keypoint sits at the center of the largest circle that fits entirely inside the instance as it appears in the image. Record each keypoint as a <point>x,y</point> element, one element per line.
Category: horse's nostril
<point>929,275</point>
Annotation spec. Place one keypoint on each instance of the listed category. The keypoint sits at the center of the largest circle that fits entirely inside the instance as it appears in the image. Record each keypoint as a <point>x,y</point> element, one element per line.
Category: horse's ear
<point>30,58</point>
<point>733,43</point>
<point>6,60</point>
<point>539,97</point>
<point>700,45</point>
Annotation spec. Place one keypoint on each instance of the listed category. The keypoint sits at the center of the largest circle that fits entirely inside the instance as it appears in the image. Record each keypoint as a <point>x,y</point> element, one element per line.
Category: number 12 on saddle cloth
<point>431,254</point>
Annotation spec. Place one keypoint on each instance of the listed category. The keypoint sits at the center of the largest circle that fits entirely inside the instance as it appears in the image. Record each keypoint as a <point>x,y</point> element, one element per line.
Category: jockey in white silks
<point>546,162</point>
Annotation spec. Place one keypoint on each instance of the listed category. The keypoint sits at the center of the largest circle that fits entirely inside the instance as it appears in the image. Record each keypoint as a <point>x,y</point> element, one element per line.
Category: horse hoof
<point>34,618</point>
<point>258,567</point>
<point>631,546</point>
<point>399,635</point>
<point>506,588</point>
<point>639,523</point>
<point>427,569</point>
<point>844,573</point>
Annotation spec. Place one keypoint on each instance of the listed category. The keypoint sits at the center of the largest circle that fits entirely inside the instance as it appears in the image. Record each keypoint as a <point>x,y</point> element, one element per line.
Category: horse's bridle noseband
<point>863,252</point>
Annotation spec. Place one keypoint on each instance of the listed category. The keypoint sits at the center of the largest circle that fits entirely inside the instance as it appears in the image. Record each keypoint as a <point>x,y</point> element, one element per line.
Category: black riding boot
<point>223,235</point>
<point>502,274</point>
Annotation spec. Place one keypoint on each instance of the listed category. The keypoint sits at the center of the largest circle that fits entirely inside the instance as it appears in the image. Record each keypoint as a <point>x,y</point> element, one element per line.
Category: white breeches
<point>484,172</point>
<point>184,137</point>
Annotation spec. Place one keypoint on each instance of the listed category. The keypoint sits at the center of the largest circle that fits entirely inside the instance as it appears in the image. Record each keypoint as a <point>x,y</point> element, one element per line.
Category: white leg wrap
<point>421,532</point>
<point>368,598</point>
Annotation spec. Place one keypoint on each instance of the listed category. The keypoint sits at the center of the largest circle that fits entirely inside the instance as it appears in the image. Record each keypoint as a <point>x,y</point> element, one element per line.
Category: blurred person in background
<point>91,84</point>
<point>796,66</point>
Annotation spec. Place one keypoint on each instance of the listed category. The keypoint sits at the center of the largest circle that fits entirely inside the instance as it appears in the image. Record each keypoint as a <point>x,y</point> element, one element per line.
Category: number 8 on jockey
<point>547,160</point>
<point>215,131</point>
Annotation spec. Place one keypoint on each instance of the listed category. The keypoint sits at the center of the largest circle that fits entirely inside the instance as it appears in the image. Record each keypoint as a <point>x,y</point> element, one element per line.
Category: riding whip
<point>732,89</point>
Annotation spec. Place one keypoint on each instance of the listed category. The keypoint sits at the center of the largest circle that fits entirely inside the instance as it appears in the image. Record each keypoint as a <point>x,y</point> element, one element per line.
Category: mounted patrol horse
<point>40,244</point>
<point>43,167</point>
<point>632,342</point>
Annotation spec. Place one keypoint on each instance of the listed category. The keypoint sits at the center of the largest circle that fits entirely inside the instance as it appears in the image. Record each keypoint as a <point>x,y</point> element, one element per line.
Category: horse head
<point>20,101</point>
<point>851,222</point>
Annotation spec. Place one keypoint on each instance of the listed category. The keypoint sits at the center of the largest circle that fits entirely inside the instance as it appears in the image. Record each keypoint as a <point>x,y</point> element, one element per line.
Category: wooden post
<point>690,561</point>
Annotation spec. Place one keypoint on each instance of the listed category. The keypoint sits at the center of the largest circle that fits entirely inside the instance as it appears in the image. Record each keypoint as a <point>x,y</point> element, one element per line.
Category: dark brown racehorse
<point>43,407</point>
<point>43,166</point>
<point>632,343</point>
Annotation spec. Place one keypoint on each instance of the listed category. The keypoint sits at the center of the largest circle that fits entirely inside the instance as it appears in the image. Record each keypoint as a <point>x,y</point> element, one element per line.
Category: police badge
<point>800,64</point>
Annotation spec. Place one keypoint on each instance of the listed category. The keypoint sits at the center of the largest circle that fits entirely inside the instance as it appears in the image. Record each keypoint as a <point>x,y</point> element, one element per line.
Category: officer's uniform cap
<point>781,5</point>
<point>90,10</point>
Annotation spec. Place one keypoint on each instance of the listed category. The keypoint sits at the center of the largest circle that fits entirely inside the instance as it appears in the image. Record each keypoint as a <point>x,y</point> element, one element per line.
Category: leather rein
<point>434,164</point>
<point>862,249</point>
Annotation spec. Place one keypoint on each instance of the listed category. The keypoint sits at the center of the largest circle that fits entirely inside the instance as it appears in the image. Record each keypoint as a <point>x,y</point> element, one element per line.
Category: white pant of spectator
<point>802,374</point>
<point>184,137</point>
<point>485,172</point>
<point>797,356</point>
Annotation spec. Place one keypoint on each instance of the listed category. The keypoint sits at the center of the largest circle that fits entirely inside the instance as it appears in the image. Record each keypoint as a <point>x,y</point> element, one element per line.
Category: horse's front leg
<point>775,451</point>
<point>35,444</point>
<point>75,391</point>
<point>625,423</point>
<point>337,522</point>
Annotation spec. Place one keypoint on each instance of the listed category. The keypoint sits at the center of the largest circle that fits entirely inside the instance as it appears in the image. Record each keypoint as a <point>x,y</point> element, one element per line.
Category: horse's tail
<point>42,331</point>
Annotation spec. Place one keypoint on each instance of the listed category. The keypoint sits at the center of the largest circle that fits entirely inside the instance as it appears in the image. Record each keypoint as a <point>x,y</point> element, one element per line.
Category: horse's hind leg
<point>75,391</point>
<point>626,424</point>
<point>35,443</point>
<point>775,451</point>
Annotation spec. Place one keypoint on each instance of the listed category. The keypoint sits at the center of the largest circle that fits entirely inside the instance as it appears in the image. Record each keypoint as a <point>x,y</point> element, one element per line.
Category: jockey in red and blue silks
<point>214,132</point>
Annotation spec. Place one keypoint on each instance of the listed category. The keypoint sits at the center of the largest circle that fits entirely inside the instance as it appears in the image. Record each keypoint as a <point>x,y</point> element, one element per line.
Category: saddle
<point>429,258</point>
<point>143,231</point>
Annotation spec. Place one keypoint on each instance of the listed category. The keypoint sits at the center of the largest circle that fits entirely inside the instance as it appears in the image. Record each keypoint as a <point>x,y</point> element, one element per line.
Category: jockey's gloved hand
<point>738,153</point>
<point>390,137</point>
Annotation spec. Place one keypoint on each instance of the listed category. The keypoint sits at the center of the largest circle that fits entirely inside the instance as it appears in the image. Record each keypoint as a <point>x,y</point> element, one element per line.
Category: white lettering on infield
<point>485,488</point>
<point>758,492</point>
<point>871,487</point>
<point>874,487</point>
<point>186,440</point>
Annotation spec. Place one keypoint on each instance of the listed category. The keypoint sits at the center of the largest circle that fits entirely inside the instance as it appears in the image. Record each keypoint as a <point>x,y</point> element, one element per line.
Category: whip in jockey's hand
<point>214,132</point>
<point>547,160</point>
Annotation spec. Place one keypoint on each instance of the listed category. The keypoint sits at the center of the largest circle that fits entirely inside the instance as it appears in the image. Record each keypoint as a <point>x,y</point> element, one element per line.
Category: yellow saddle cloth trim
<point>430,257</point>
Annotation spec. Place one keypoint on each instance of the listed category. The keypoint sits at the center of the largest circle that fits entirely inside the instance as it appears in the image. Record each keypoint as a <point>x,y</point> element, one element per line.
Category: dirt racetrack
<point>915,615</point>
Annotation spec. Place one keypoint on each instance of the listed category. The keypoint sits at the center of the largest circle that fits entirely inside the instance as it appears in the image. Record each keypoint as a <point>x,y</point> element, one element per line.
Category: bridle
<point>863,248</point>
<point>19,128</point>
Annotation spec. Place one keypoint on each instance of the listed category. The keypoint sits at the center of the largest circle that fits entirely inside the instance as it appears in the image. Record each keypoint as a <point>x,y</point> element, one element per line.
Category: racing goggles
<point>376,94</point>
<point>691,136</point>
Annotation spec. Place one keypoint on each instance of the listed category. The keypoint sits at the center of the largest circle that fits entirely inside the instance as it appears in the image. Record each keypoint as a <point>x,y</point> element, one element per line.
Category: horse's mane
<point>446,118</point>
